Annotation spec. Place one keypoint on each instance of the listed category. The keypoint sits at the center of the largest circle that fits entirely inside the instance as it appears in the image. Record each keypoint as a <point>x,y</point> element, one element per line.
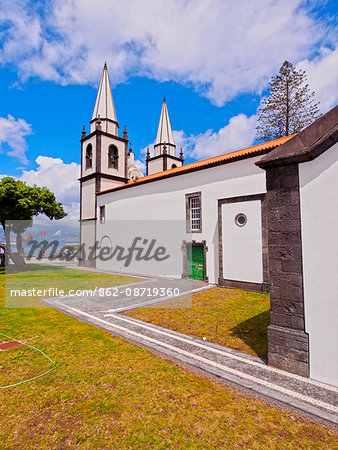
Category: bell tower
<point>103,159</point>
<point>164,148</point>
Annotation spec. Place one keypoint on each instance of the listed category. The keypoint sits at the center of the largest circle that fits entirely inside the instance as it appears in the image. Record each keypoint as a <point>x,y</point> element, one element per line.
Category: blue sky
<point>211,59</point>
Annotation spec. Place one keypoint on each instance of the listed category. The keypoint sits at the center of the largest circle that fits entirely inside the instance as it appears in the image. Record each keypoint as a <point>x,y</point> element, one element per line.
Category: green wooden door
<point>196,262</point>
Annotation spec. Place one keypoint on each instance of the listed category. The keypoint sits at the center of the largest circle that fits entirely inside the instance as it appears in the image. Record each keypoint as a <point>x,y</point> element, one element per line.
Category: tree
<point>19,203</point>
<point>290,106</point>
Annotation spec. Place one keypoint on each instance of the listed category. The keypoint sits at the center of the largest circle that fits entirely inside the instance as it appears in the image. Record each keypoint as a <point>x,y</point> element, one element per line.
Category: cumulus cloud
<point>322,77</point>
<point>221,47</point>
<point>238,133</point>
<point>12,133</point>
<point>61,178</point>
<point>140,165</point>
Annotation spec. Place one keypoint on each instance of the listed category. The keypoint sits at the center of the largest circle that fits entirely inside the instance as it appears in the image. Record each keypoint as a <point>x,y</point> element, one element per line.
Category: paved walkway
<point>314,398</point>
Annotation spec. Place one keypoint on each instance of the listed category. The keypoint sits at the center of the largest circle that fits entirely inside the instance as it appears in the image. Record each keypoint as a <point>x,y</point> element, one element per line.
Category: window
<point>102,214</point>
<point>173,166</point>
<point>241,220</point>
<point>113,157</point>
<point>193,213</point>
<point>89,156</point>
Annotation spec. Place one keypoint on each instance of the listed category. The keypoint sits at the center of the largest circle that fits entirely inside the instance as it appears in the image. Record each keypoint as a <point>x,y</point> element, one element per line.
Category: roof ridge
<point>204,163</point>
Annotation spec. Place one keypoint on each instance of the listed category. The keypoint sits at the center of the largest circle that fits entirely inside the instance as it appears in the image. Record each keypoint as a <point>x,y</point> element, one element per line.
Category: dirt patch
<point>9,345</point>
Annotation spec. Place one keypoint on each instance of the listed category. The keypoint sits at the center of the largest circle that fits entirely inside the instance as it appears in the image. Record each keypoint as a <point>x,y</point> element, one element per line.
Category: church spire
<point>104,106</point>
<point>164,137</point>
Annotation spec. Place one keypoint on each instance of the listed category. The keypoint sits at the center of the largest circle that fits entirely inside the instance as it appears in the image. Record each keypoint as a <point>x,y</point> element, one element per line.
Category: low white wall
<point>165,200</point>
<point>319,217</point>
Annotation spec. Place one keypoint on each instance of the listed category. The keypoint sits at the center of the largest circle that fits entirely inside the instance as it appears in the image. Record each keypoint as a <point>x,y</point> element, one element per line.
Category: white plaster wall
<point>88,199</point>
<point>165,200</point>
<point>92,141</point>
<point>88,234</point>
<point>105,142</point>
<point>106,126</point>
<point>155,166</point>
<point>171,161</point>
<point>319,218</point>
<point>242,246</point>
<point>108,184</point>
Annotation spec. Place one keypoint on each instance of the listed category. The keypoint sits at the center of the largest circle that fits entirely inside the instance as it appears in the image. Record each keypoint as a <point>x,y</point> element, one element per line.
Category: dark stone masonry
<point>288,342</point>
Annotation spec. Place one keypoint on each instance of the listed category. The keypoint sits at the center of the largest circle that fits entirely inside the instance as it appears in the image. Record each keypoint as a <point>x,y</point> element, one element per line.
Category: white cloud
<point>60,178</point>
<point>140,165</point>
<point>322,77</point>
<point>238,133</point>
<point>222,47</point>
<point>12,133</point>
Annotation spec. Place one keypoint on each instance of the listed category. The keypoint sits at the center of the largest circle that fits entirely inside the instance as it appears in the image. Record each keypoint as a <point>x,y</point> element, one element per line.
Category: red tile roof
<point>205,163</point>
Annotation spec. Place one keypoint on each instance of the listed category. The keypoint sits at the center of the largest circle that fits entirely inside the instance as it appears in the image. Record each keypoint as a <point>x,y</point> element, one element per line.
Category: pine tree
<point>290,106</point>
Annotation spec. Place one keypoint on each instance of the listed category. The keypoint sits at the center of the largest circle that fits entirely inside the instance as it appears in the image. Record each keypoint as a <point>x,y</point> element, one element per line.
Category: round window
<point>241,220</point>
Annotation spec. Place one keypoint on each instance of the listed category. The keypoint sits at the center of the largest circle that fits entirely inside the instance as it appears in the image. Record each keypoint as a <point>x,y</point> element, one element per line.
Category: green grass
<point>43,277</point>
<point>230,317</point>
<point>108,394</point>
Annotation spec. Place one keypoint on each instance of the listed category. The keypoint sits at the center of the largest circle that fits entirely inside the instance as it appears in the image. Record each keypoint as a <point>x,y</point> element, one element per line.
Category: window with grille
<point>194,219</point>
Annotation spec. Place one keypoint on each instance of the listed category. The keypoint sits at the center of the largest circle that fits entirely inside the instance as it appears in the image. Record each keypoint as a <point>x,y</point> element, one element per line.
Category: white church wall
<point>88,199</point>
<point>108,184</point>
<point>165,200</point>
<point>155,166</point>
<point>105,142</point>
<point>88,233</point>
<point>319,225</point>
<point>171,161</point>
<point>242,246</point>
<point>91,141</point>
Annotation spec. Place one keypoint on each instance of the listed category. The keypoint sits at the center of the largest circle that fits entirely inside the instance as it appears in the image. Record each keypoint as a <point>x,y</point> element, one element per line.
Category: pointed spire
<point>125,133</point>
<point>83,133</point>
<point>104,105</point>
<point>164,133</point>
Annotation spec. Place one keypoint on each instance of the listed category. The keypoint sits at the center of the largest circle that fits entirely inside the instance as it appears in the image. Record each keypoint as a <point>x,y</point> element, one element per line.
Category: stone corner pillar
<point>288,343</point>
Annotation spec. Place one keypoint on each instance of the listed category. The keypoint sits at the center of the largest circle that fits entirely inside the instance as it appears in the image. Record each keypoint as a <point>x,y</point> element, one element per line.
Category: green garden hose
<point>33,378</point>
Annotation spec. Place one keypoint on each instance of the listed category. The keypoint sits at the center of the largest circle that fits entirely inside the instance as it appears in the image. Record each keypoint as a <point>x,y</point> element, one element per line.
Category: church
<point>220,199</point>
<point>262,219</point>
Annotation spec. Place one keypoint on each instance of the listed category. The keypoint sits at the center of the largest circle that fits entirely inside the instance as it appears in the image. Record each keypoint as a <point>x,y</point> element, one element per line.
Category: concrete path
<point>316,399</point>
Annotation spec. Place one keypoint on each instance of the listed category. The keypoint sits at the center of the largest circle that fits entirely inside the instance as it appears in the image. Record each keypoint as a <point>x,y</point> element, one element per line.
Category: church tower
<point>164,148</point>
<point>103,159</point>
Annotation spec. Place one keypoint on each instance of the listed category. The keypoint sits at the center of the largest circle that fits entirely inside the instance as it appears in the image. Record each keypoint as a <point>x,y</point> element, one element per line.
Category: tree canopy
<point>289,107</point>
<point>19,203</point>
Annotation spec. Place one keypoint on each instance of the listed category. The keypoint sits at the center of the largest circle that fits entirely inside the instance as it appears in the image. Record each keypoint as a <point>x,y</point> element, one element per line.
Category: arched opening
<point>105,249</point>
<point>173,166</point>
<point>89,156</point>
<point>113,157</point>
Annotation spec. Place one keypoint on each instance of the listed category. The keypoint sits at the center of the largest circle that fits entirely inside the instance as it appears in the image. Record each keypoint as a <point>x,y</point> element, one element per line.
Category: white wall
<point>85,144</point>
<point>319,217</point>
<point>155,166</point>
<point>88,199</point>
<point>242,246</point>
<point>165,200</point>
<point>105,142</point>
<point>88,233</point>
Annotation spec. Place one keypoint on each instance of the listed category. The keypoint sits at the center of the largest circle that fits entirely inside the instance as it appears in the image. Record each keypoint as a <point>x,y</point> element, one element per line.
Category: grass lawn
<point>230,317</point>
<point>107,393</point>
<point>43,277</point>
